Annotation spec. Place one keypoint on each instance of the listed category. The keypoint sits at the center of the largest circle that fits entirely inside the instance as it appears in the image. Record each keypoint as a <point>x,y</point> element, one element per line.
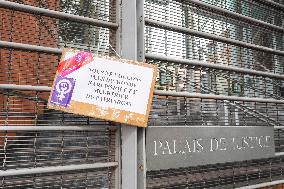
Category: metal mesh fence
<point>169,111</point>
<point>261,10</point>
<point>210,112</point>
<point>197,48</point>
<point>200,79</point>
<point>189,15</point>
<point>229,175</point>
<point>27,149</point>
<point>102,10</point>
<point>261,50</point>
<point>51,32</point>
<point>78,141</point>
<point>166,35</point>
<point>97,178</point>
<point>172,43</point>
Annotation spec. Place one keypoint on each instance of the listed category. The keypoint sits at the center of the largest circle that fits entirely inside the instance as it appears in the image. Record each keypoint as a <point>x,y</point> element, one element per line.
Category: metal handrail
<point>249,110</point>
<point>41,170</point>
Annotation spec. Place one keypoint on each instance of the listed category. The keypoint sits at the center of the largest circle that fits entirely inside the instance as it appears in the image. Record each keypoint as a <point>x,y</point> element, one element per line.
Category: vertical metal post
<point>128,49</point>
<point>117,183</point>
<point>118,132</point>
<point>141,159</point>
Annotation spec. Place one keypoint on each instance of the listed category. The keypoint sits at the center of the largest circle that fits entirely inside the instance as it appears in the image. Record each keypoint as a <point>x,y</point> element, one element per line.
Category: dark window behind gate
<point>221,63</point>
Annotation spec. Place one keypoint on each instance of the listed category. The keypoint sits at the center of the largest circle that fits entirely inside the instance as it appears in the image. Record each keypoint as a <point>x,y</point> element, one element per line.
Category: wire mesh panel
<point>262,10</point>
<point>62,32</point>
<point>27,149</point>
<point>97,178</point>
<point>198,111</point>
<point>229,175</point>
<point>41,148</point>
<point>184,39</point>
<point>189,46</point>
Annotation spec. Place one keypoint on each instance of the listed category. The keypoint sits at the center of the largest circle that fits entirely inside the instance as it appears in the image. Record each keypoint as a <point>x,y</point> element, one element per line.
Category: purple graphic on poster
<point>62,91</point>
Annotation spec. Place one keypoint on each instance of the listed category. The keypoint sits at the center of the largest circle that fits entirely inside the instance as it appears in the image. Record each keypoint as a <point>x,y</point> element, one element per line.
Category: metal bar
<point>237,15</point>
<point>148,55</point>
<point>141,159</point>
<point>57,128</point>
<point>118,159</point>
<point>87,128</point>
<point>141,137</point>
<point>24,87</point>
<point>184,30</point>
<point>261,185</point>
<point>140,30</point>
<point>254,113</point>
<point>55,14</point>
<point>217,97</point>
<point>27,47</point>
<point>279,153</point>
<point>117,173</point>
<point>198,126</point>
<point>166,93</point>
<point>275,4</point>
<point>42,170</point>
<point>278,127</point>
<point>128,42</point>
<point>215,66</point>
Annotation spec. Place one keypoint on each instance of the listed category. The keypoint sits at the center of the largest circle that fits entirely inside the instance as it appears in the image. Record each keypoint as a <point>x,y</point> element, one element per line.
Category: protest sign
<point>103,87</point>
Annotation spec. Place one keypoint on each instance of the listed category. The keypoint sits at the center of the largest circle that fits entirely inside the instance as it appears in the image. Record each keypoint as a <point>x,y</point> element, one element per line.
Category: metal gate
<point>220,63</point>
<point>41,148</point>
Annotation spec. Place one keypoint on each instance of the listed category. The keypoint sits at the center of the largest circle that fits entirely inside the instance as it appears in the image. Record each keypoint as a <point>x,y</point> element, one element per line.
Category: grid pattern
<point>229,175</point>
<point>263,11</point>
<point>102,10</point>
<point>52,148</point>
<point>98,178</point>
<point>210,112</point>
<point>36,149</point>
<point>171,43</point>
<point>181,77</point>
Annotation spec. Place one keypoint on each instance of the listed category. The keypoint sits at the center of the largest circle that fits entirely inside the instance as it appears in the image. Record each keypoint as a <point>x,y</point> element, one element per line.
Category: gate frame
<point>130,151</point>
